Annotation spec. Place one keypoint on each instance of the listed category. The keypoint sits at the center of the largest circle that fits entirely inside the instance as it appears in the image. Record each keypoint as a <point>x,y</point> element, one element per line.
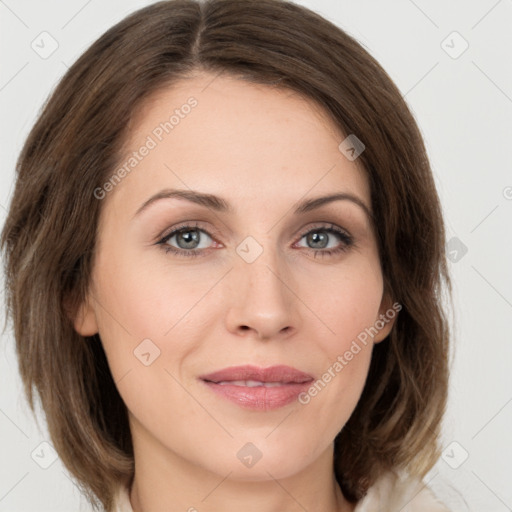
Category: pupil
<point>318,238</point>
<point>190,238</point>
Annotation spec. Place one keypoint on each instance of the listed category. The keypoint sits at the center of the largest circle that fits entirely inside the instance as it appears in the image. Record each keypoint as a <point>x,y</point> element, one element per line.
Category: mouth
<point>261,389</point>
<point>249,383</point>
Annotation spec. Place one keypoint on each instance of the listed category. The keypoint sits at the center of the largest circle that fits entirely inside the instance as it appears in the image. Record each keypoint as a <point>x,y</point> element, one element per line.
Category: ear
<point>388,312</point>
<point>83,317</point>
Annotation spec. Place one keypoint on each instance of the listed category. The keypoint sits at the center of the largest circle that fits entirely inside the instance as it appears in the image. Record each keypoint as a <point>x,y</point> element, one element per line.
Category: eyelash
<point>346,239</point>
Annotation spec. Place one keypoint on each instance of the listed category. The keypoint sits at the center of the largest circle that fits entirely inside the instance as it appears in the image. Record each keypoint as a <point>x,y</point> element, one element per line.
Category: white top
<point>389,494</point>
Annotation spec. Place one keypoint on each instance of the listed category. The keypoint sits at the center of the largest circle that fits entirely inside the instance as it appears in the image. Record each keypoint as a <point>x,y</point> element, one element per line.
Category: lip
<point>290,383</point>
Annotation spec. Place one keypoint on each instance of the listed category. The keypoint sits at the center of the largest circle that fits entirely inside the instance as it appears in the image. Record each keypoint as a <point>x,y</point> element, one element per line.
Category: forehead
<point>225,93</point>
<point>227,136</point>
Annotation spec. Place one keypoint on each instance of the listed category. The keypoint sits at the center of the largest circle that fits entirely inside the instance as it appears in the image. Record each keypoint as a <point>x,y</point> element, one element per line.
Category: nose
<point>262,301</point>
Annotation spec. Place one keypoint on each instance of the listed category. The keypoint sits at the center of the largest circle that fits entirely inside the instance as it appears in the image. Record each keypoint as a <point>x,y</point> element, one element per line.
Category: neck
<point>165,481</point>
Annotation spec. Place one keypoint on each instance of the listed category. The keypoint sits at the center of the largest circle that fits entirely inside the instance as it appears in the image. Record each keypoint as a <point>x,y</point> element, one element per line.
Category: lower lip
<point>259,397</point>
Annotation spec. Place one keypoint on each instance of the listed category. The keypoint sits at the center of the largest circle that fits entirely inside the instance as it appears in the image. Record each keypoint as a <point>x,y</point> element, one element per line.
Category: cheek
<point>143,319</point>
<point>150,309</point>
<point>346,360</point>
<point>348,304</point>
<point>145,300</point>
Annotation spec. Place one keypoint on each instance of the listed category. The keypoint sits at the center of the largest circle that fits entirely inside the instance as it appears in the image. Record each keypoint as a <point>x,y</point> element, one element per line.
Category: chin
<point>261,460</point>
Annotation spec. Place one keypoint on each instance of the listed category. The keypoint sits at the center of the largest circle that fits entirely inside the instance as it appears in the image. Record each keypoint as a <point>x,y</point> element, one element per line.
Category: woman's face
<point>262,274</point>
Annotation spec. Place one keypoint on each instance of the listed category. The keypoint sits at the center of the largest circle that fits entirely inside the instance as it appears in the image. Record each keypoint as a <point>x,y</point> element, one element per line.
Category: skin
<point>263,150</point>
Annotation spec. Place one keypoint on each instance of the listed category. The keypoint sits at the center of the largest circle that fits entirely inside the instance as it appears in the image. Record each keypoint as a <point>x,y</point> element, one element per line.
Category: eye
<point>322,240</point>
<point>188,239</point>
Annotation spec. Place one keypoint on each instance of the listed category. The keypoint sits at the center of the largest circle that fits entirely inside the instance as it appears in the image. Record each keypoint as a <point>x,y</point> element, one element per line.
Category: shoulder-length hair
<point>74,147</point>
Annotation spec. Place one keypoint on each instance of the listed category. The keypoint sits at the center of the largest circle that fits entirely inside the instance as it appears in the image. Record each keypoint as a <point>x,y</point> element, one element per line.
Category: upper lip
<point>278,373</point>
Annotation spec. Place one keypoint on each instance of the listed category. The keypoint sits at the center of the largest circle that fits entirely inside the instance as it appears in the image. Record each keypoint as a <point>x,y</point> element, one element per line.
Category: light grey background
<point>463,106</point>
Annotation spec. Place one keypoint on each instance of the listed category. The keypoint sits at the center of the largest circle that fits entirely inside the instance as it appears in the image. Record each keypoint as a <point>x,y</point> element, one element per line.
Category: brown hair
<point>50,232</point>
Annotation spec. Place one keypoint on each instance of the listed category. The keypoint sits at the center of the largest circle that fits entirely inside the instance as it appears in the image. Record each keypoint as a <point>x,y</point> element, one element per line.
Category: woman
<point>224,265</point>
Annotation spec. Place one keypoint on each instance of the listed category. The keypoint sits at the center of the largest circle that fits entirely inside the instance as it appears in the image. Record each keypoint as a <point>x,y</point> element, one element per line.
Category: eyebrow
<point>219,204</point>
